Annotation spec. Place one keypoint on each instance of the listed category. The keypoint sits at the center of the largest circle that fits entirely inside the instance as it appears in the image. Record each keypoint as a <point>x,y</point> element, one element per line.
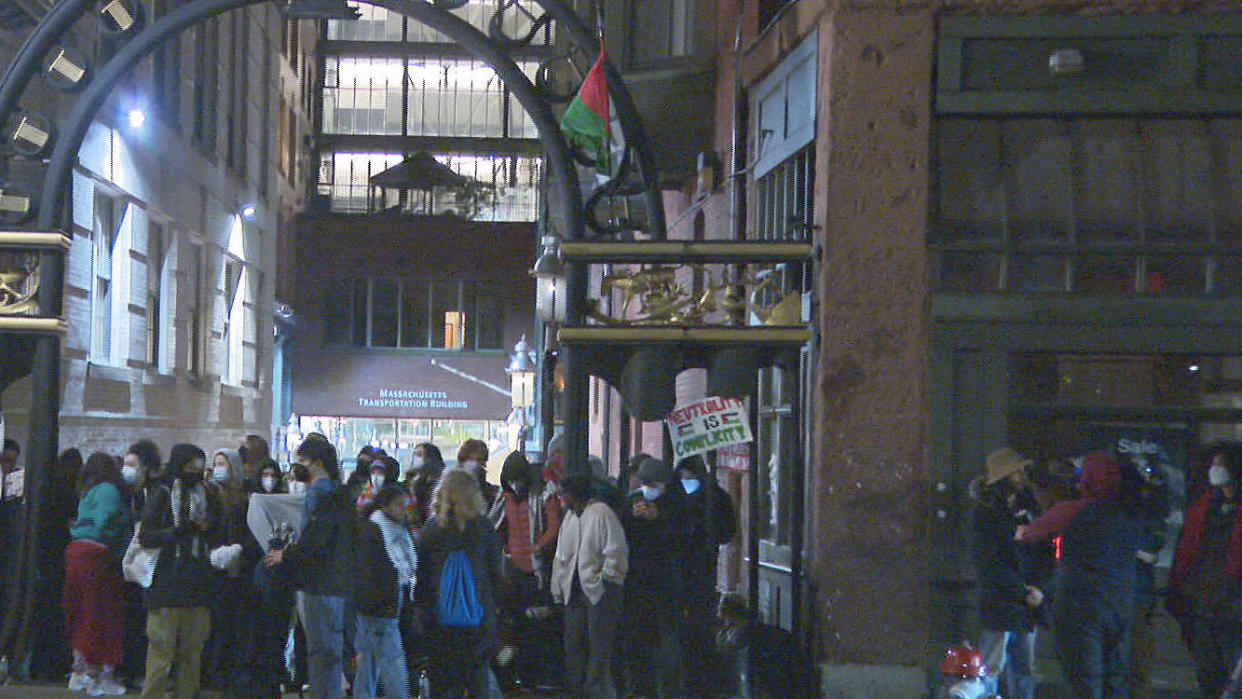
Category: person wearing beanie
<point>651,518</point>
<point>1207,569</point>
<point>588,575</point>
<point>702,535</point>
<point>182,520</point>
<point>1093,607</point>
<point>1011,576</point>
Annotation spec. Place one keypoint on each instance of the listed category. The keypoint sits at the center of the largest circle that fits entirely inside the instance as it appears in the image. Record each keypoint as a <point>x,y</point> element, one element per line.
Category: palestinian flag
<point>588,123</point>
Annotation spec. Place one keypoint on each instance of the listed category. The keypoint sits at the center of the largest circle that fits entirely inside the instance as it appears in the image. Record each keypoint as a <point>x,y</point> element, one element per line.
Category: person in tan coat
<point>588,575</point>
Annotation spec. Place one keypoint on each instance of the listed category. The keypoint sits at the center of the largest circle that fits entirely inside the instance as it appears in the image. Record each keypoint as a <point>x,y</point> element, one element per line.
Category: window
<point>105,234</point>
<point>157,306</point>
<point>238,109</point>
<point>413,314</point>
<point>1104,206</point>
<point>206,85</point>
<point>379,24</point>
<point>659,30</point>
<point>166,74</point>
<point>428,96</point>
<point>511,191</point>
<point>235,294</point>
<point>193,296</point>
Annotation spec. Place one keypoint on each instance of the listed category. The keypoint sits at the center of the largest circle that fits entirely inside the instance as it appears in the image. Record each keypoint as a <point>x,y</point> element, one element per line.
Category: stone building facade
<point>966,299</point>
<point>185,183</point>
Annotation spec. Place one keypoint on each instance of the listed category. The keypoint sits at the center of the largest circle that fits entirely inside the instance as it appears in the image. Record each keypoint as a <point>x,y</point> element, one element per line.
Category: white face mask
<point>471,465</point>
<point>269,483</point>
<point>690,485</point>
<point>129,473</point>
<point>652,492</point>
<point>220,473</point>
<point>297,488</point>
<point>417,462</point>
<point>377,481</point>
<point>1219,475</point>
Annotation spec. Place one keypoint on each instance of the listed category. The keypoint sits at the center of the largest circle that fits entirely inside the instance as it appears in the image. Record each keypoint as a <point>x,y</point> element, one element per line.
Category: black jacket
<point>322,559</point>
<point>655,548</point>
<point>1006,567</point>
<point>375,584</point>
<point>702,547</point>
<point>482,546</point>
<point>183,573</point>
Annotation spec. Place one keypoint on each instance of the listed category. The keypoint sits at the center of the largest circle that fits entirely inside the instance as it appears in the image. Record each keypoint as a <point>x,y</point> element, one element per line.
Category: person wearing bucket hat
<point>1011,576</point>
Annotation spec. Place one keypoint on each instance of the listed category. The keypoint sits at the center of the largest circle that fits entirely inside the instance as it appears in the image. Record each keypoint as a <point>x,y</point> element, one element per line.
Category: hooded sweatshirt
<point>1099,538</point>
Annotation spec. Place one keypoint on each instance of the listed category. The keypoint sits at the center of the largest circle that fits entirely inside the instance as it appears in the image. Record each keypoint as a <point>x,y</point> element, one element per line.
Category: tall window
<point>166,78</point>
<point>239,84</point>
<point>414,314</point>
<point>193,296</point>
<point>206,85</point>
<point>157,305</point>
<point>235,294</point>
<point>660,30</point>
<point>105,234</point>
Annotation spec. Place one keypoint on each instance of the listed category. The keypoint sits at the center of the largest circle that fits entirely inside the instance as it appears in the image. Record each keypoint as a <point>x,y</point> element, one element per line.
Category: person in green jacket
<point>94,596</point>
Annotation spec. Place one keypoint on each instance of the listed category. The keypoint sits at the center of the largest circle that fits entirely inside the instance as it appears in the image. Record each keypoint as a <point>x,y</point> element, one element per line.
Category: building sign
<point>402,398</point>
<point>735,457</point>
<point>708,424</point>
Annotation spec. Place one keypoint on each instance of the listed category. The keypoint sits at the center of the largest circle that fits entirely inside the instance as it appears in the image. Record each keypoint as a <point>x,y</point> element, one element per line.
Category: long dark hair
<point>101,468</point>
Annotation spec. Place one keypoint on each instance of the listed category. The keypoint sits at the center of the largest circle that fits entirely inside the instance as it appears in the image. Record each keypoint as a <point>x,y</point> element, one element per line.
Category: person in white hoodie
<point>588,575</point>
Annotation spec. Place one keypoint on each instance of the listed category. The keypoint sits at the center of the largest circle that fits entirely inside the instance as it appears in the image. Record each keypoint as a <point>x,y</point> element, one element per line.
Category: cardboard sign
<point>709,424</point>
<point>735,457</point>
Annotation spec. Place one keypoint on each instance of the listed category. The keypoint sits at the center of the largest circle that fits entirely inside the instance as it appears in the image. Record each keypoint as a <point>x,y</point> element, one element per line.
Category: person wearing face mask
<point>527,516</point>
<point>702,535</point>
<point>270,480</point>
<point>141,471</point>
<point>651,518</point>
<point>384,470</point>
<point>421,478</point>
<point>94,600</point>
<point>1207,568</point>
<point>472,457</point>
<point>387,566</point>
<point>229,656</point>
<point>182,520</point>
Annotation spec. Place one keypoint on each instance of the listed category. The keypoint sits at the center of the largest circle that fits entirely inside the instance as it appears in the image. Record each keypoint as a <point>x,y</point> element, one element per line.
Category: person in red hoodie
<point>1207,566</point>
<point>1094,601</point>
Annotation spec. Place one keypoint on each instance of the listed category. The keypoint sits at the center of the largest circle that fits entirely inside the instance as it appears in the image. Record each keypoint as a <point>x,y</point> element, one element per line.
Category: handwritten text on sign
<point>708,424</point>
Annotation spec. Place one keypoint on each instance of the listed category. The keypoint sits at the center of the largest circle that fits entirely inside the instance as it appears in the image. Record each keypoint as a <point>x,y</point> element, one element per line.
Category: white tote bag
<point>138,565</point>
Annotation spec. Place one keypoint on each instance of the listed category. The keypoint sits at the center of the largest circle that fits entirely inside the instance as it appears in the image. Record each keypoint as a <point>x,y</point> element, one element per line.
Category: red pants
<point>94,603</point>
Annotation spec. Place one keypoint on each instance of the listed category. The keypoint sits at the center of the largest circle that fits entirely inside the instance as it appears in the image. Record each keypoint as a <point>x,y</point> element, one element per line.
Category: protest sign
<point>708,424</point>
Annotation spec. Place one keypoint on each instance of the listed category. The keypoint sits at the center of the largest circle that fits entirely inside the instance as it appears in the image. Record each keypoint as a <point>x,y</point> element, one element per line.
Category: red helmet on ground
<point>963,661</point>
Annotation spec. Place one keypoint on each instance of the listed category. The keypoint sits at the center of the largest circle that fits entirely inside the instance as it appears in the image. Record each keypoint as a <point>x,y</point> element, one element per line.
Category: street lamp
<point>549,274</point>
<point>522,375</point>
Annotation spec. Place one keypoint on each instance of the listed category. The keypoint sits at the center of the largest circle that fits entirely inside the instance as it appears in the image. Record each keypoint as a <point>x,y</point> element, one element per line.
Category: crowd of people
<point>1073,545</point>
<point>229,573</point>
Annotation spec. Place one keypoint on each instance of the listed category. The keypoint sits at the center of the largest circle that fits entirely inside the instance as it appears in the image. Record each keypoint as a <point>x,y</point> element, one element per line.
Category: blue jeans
<point>1093,646</point>
<point>323,617</point>
<point>1011,653</point>
<point>380,657</point>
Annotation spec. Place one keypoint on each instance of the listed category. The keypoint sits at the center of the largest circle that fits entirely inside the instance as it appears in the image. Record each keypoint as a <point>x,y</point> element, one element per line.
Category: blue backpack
<point>458,604</point>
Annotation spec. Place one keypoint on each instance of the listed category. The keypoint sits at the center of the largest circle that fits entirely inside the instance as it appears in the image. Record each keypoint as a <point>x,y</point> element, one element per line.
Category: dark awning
<point>418,171</point>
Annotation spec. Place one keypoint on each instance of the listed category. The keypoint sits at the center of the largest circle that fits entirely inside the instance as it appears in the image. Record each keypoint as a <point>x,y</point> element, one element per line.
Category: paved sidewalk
<point>59,692</point>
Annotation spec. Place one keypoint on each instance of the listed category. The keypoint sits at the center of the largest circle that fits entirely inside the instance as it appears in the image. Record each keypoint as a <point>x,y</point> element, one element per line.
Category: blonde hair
<point>457,499</point>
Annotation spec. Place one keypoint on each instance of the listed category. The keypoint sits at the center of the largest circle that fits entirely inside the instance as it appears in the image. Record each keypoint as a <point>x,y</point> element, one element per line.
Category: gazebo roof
<point>418,171</point>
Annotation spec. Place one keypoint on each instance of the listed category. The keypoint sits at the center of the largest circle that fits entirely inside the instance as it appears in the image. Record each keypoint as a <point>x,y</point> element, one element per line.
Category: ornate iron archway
<point>45,151</point>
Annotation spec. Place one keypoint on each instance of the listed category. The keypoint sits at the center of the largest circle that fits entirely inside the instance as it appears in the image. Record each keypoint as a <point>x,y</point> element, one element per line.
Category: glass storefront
<point>398,437</point>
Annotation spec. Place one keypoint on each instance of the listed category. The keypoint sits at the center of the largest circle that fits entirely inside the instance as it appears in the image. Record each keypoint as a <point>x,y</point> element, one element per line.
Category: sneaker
<point>79,682</point>
<point>106,687</point>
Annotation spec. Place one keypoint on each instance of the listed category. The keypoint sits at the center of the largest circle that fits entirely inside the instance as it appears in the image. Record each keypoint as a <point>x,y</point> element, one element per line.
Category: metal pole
<point>752,514</point>
<point>798,483</point>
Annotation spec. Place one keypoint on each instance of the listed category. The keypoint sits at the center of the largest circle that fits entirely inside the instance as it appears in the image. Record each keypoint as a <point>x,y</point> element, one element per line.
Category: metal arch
<point>627,113</point>
<point>56,179</point>
<point>29,57</point>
